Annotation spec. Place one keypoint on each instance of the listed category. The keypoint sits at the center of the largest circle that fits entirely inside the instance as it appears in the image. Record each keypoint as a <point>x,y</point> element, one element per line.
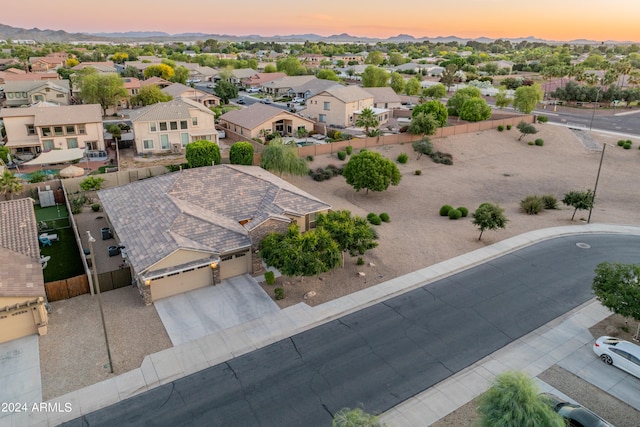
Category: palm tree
<point>9,184</point>
<point>367,119</point>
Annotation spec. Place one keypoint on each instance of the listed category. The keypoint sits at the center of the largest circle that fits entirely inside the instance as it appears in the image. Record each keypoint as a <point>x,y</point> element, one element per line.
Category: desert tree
<point>457,100</point>
<point>148,95</point>
<point>502,100</point>
<point>225,91</point>
<point>526,129</point>
<point>412,87</point>
<point>526,98</point>
<point>515,401</point>
<point>397,82</point>
<point>617,287</point>
<point>448,77</point>
<point>579,200</point>
<point>475,110</point>
<point>423,146</point>
<point>423,124</point>
<point>98,88</point>
<point>437,110</point>
<point>353,234</point>
<point>489,216</point>
<point>374,77</point>
<point>371,171</point>
<point>283,159</point>
<point>436,91</point>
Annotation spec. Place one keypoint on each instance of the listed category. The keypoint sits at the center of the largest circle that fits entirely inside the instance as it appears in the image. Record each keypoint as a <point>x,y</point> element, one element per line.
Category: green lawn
<point>65,259</point>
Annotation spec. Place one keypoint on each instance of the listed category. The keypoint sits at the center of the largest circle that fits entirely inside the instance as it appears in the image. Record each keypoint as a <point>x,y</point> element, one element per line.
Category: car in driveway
<point>574,415</point>
<point>619,353</point>
<point>241,101</point>
<point>266,101</point>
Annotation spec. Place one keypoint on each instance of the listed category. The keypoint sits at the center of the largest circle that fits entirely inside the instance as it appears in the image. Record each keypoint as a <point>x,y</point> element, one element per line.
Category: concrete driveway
<point>20,373</point>
<point>195,314</point>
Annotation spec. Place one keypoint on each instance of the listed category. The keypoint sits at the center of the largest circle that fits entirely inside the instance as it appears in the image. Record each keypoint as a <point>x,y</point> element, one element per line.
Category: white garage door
<point>234,265</point>
<point>17,324</point>
<point>181,282</point>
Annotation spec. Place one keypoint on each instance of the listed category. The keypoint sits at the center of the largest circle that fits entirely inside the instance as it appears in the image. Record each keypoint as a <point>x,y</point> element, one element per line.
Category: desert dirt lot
<point>488,167</point>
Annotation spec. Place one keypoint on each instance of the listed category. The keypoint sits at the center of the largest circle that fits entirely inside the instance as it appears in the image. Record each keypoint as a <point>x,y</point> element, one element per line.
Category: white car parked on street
<point>619,353</point>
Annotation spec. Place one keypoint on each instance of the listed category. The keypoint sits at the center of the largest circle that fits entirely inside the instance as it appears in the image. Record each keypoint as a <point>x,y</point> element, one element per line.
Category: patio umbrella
<point>71,172</point>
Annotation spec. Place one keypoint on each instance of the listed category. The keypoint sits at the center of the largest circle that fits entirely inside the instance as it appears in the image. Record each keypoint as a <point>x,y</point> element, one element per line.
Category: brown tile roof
<point>260,78</point>
<point>58,114</point>
<point>21,272</point>
<point>349,93</point>
<point>199,209</point>
<point>383,94</point>
<point>253,115</point>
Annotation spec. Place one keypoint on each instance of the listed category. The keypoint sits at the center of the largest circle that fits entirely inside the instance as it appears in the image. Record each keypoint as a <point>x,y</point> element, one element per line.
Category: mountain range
<point>8,32</point>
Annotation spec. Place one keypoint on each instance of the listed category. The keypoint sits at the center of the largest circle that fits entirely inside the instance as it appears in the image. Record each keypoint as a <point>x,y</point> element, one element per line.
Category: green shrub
<point>508,127</point>
<point>627,145</point>
<point>342,155</point>
<point>360,261</point>
<point>629,141</point>
<point>310,158</point>
<point>550,201</point>
<point>334,170</point>
<point>500,128</point>
<point>374,219</point>
<point>279,293</point>
<point>348,149</point>
<point>543,119</point>
<point>402,158</point>
<point>530,143</point>
<point>539,142</point>
<point>385,217</point>
<point>270,278</point>
<point>419,172</point>
<point>95,207</point>
<point>464,211</point>
<point>370,215</point>
<point>443,158</point>
<point>621,142</point>
<point>444,210</point>
<point>532,205</point>
<point>454,214</point>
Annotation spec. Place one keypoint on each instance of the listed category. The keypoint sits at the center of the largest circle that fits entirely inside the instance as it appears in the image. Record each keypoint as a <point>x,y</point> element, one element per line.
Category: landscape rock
<point>309,294</point>
<point>361,273</point>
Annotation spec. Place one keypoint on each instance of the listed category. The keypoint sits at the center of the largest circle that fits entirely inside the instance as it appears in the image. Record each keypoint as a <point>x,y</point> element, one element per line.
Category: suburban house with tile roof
<point>259,120</point>
<point>258,79</point>
<point>22,293</point>
<point>384,97</point>
<point>27,92</point>
<point>190,229</point>
<point>100,67</point>
<point>339,105</point>
<point>42,64</point>
<point>13,74</point>
<point>169,126</point>
<point>37,129</point>
<point>300,86</point>
<point>178,90</point>
<point>237,76</point>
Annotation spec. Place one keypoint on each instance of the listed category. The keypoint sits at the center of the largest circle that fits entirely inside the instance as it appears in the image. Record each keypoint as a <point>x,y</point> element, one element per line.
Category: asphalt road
<point>386,353</point>
<point>583,118</point>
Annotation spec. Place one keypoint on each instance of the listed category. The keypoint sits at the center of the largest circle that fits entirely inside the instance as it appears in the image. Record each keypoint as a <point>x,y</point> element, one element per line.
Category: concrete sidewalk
<point>532,353</point>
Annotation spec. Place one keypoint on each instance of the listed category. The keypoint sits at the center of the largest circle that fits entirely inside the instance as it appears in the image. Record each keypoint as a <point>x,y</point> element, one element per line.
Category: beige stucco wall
<point>294,120</point>
<point>205,129</point>
<point>23,321</point>
<point>17,134</point>
<point>339,113</point>
<point>181,256</point>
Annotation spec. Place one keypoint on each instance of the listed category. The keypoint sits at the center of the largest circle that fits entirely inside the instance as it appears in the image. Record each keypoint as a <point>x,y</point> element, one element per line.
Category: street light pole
<point>595,187</point>
<point>97,286</point>
<point>593,115</point>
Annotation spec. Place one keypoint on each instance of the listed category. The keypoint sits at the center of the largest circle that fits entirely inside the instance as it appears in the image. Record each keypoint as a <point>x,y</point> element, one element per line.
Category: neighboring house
<point>101,67</point>
<point>337,106</point>
<point>190,229</point>
<point>411,67</point>
<point>258,79</point>
<point>312,59</point>
<point>42,64</point>
<point>259,119</point>
<point>384,97</point>
<point>132,85</point>
<point>237,76</point>
<point>158,81</point>
<point>37,129</point>
<point>22,294</point>
<point>199,73</point>
<point>14,74</point>
<point>435,71</point>
<point>502,64</point>
<point>297,86</point>
<point>7,62</point>
<point>27,92</point>
<point>177,90</point>
<point>349,58</point>
<point>169,126</point>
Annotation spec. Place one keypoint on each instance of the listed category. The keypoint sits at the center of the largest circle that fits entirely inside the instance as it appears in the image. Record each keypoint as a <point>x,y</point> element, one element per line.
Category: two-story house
<point>37,129</point>
<point>170,126</point>
<point>42,64</point>
<point>178,90</point>
<point>339,105</point>
<point>27,92</point>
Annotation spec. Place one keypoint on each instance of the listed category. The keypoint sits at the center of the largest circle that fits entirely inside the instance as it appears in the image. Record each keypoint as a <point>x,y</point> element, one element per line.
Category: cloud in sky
<point>550,19</point>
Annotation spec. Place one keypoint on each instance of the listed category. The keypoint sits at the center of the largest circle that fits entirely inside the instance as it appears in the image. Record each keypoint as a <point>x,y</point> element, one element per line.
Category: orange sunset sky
<point>547,19</point>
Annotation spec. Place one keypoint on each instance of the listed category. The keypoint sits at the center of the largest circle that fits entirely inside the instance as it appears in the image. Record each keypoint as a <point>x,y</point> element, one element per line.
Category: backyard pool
<point>28,176</point>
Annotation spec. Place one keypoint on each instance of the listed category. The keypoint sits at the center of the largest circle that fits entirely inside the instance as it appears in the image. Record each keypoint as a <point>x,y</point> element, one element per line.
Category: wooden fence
<point>68,288</point>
